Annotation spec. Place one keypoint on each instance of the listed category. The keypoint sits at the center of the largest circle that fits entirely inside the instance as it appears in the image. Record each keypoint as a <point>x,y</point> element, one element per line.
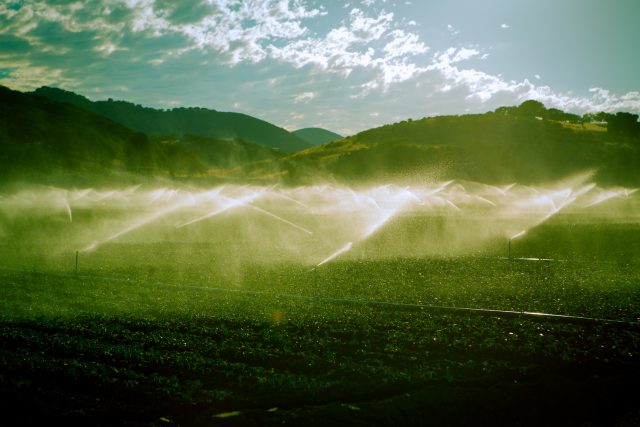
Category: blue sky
<point>343,65</point>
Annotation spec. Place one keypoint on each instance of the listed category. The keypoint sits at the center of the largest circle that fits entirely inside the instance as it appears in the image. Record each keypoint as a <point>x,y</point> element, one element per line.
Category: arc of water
<point>188,201</point>
<point>453,205</point>
<point>291,199</point>
<point>141,223</point>
<point>245,201</point>
<point>68,208</point>
<point>518,234</point>
<point>231,203</point>
<point>603,197</point>
<point>336,254</point>
<point>482,199</point>
<point>279,218</point>
<point>417,199</point>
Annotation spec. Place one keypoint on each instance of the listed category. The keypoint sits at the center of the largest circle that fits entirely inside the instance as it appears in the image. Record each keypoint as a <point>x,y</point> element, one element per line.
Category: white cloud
<point>403,44</point>
<point>236,32</point>
<point>349,46</point>
<point>305,97</point>
<point>452,30</point>
<point>485,88</point>
<point>26,76</point>
<point>385,58</point>
<point>505,26</point>
<point>453,55</point>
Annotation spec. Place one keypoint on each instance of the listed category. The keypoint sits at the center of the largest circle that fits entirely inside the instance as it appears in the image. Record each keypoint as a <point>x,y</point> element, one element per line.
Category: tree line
<point>619,124</point>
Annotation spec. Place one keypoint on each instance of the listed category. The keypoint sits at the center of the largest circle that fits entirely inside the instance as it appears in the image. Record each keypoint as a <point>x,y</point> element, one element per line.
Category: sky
<point>342,65</point>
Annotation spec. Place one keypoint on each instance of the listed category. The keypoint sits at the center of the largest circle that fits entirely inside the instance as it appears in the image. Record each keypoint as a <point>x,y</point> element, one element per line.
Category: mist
<point>229,225</point>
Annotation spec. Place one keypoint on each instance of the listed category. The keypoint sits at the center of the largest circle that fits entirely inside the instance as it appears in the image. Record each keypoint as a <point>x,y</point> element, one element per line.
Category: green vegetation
<point>177,302</point>
<point>44,141</point>
<point>529,144</point>
<point>192,330</point>
<point>184,121</point>
<point>140,336</point>
<point>316,136</point>
<point>525,144</point>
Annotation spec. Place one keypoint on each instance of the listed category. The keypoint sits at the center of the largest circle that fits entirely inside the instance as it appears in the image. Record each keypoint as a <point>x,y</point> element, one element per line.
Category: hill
<point>316,136</point>
<point>41,139</point>
<point>503,146</point>
<point>184,121</point>
<point>52,142</point>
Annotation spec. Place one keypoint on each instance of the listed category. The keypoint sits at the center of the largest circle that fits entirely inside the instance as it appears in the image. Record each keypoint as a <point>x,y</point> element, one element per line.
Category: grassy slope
<point>41,136</point>
<point>54,142</point>
<point>316,136</point>
<point>88,350</point>
<point>487,148</point>
<point>42,139</point>
<point>183,121</point>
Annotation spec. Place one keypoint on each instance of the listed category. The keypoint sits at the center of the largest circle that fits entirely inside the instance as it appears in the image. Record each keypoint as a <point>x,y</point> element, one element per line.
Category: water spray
<point>189,201</point>
<point>336,254</point>
<point>515,236</point>
<point>68,207</point>
<point>279,218</point>
<point>231,203</point>
<point>314,270</point>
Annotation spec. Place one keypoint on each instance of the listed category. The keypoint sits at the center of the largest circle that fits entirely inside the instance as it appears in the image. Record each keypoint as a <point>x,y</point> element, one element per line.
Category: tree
<point>531,108</point>
<point>140,154</point>
<point>625,124</point>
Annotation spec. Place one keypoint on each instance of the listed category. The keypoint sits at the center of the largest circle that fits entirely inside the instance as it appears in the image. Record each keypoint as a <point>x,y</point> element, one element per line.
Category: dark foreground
<point>388,369</point>
<point>79,350</point>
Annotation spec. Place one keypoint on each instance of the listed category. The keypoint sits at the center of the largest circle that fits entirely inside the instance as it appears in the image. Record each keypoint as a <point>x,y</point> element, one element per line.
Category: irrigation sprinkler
<point>515,236</point>
<point>314,282</point>
<point>69,212</point>
<point>337,253</point>
<point>314,270</point>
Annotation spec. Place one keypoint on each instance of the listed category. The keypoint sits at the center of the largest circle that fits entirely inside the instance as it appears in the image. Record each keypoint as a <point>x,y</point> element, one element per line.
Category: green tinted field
<point>177,332</point>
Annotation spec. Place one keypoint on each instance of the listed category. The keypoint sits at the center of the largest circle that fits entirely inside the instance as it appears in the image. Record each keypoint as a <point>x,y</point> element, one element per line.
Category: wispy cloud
<point>235,31</point>
<point>337,64</point>
<point>485,87</point>
<point>452,30</point>
<point>304,97</point>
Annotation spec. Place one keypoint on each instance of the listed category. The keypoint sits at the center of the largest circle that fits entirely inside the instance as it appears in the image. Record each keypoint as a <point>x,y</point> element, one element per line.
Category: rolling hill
<point>47,141</point>
<point>41,139</point>
<point>316,136</point>
<point>504,146</point>
<point>184,121</point>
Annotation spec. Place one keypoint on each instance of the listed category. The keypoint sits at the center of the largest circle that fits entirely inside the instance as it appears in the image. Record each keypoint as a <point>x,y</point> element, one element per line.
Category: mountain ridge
<point>529,144</point>
<point>316,135</point>
<point>526,143</point>
<point>184,121</point>
<point>42,140</point>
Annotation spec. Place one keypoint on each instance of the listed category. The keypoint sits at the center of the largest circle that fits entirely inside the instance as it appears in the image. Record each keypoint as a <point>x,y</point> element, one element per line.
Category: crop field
<point>113,316</point>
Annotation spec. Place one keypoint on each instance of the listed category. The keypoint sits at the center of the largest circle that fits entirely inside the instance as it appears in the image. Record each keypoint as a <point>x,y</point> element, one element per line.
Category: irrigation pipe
<point>560,318</point>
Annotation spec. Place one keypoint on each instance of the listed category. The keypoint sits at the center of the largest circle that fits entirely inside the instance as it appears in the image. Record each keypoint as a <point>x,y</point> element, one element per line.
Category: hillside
<point>316,136</point>
<point>184,121</point>
<point>51,142</point>
<point>496,147</point>
<point>41,139</point>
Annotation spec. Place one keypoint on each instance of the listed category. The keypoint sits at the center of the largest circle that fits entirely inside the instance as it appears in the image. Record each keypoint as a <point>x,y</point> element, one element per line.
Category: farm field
<point>279,346</point>
<point>319,213</point>
<point>430,319</point>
